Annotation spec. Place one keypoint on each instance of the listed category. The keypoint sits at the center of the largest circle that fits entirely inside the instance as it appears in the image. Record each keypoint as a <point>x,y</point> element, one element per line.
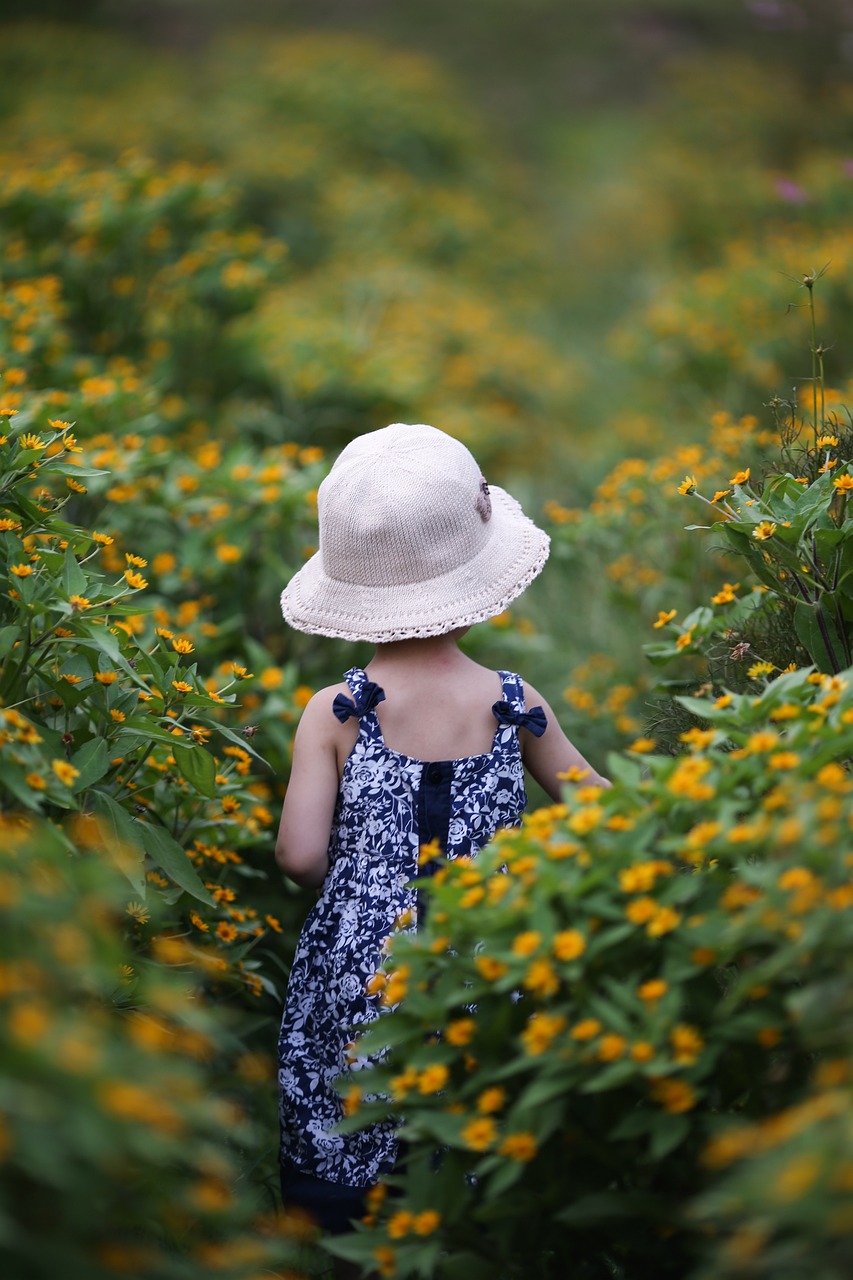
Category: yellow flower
<point>137,912</point>
<point>102,539</point>
<point>726,594</point>
<point>271,677</point>
<point>797,1177</point>
<point>642,745</point>
<point>135,580</point>
<point>425,1222</point>
<point>688,485</point>
<point>611,1047</point>
<point>351,1100</point>
<point>226,931</point>
<point>762,668</point>
<point>400,1224</point>
<point>181,686</point>
<point>78,603</point>
<point>183,646</point>
<point>763,740</point>
<point>664,618</point>
<point>21,570</point>
<point>664,921</point>
<point>433,1078</point>
<point>686,1042</point>
<point>386,1260</point>
<point>136,561</point>
<point>652,990</point>
<point>843,484</point>
<point>106,677</point>
<point>642,876</point>
<point>489,968</point>
<point>526,943</point>
<point>541,979</point>
<point>588,1029</point>
<point>65,772</point>
<point>118,716</point>
<point>719,495</point>
<point>30,441</point>
<point>740,477</point>
<point>764,530</point>
<point>479,1134</point>
<point>569,944</point>
<point>641,910</point>
<point>827,442</point>
<point>540,1031</point>
<point>492,1099</point>
<point>642,1051</point>
<point>518,1146</point>
<point>302,695</point>
<point>676,1096</point>
<point>460,1031</point>
<point>7,524</point>
<point>35,781</point>
<point>227,553</point>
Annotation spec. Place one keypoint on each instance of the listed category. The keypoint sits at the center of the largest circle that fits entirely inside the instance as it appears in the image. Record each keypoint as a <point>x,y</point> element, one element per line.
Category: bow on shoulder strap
<point>535,719</point>
<point>368,696</point>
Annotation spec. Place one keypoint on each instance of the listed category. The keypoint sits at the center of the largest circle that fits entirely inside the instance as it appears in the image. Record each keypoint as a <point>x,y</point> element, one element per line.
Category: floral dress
<point>388,805</point>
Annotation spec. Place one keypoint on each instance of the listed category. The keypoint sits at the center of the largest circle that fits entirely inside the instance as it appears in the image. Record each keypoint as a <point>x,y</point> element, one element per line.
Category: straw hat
<point>413,542</point>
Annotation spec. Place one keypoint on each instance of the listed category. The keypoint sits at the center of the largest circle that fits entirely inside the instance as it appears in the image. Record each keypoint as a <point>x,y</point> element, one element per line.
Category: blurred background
<point>575,236</point>
<point>570,234</point>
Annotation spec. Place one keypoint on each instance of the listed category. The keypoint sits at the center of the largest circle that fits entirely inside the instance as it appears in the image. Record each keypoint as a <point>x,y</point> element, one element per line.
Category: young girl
<point>424,744</point>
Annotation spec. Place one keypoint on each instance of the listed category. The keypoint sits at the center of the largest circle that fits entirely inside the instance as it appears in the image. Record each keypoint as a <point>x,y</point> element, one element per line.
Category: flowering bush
<point>614,1004</point>
<point>120,1140</point>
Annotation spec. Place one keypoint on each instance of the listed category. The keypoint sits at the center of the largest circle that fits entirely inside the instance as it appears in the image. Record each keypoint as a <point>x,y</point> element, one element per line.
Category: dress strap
<point>365,697</point>
<point>512,710</point>
<point>512,688</point>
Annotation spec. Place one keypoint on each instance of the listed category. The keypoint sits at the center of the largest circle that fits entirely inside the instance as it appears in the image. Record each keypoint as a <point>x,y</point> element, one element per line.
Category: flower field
<point>627,1026</point>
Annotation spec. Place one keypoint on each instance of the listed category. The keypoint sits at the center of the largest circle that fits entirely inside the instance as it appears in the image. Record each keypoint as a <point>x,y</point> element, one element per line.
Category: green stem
<point>814,361</point>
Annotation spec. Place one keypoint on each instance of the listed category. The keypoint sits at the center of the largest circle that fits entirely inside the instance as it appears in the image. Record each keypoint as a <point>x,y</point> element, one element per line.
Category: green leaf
<point>601,1205</point>
<point>169,855</point>
<point>819,636</point>
<point>93,761</point>
<point>73,578</point>
<point>668,1133</point>
<point>120,837</point>
<point>11,780</point>
<point>544,1090</point>
<point>198,767</point>
<point>8,636</point>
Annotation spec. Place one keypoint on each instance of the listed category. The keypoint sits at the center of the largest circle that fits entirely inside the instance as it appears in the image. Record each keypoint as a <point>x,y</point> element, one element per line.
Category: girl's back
<point>438,702</point>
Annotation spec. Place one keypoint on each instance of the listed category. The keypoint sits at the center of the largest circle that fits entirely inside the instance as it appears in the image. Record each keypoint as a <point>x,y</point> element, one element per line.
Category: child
<point>423,745</point>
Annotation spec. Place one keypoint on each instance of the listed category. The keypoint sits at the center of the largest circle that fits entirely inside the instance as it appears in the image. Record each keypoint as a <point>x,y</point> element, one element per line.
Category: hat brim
<point>484,586</point>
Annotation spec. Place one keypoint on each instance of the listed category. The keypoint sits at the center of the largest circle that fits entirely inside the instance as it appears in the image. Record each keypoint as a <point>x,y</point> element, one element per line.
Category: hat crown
<point>401,506</point>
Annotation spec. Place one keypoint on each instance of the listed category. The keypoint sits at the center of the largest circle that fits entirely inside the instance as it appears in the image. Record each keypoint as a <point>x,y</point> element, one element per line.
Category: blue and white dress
<point>388,805</point>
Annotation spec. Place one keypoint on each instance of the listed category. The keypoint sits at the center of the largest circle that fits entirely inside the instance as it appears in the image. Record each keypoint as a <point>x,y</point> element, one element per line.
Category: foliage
<point>123,1140</point>
<point>335,188</point>
<point>613,1005</point>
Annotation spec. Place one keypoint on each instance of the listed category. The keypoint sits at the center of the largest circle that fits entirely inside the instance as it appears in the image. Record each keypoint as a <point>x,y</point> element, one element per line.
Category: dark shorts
<point>331,1204</point>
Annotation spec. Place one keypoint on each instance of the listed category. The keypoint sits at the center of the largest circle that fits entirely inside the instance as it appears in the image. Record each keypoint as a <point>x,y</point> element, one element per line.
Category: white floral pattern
<point>373,854</point>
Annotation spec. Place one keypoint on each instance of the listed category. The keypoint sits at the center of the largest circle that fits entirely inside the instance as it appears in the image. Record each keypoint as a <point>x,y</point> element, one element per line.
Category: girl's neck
<point>433,651</point>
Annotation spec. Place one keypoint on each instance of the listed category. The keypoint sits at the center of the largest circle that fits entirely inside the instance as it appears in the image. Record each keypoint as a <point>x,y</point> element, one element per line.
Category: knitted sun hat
<point>413,542</point>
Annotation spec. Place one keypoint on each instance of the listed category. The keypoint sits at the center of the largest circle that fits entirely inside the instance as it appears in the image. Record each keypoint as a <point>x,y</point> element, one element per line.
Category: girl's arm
<point>552,754</point>
<point>301,849</point>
